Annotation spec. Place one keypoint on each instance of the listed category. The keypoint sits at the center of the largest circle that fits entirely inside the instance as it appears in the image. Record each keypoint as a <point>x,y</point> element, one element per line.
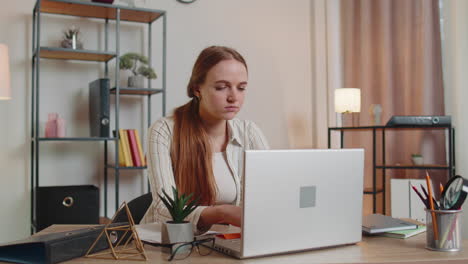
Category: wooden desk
<point>370,250</point>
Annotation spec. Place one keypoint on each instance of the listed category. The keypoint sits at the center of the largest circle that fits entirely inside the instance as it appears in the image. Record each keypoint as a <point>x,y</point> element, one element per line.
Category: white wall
<point>455,55</point>
<point>273,35</point>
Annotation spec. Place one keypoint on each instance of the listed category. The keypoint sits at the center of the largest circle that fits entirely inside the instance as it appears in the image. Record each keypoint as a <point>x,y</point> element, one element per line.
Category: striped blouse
<point>242,135</point>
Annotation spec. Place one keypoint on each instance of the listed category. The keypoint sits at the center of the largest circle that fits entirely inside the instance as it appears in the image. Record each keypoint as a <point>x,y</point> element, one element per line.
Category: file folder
<point>54,247</point>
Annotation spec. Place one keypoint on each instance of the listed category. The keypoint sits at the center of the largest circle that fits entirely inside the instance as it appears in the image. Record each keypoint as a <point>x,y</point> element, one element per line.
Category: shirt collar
<point>233,134</point>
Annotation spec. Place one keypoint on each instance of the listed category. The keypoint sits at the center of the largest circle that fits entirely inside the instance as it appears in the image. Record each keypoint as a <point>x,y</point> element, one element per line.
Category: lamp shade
<point>5,89</point>
<point>347,100</point>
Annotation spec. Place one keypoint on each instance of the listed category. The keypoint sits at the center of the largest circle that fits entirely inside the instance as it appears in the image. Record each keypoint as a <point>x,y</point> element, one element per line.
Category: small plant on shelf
<point>417,159</point>
<point>70,39</point>
<point>138,65</point>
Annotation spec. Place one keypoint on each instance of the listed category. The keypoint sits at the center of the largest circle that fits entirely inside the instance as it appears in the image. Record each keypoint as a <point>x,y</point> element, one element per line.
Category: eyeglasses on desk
<point>183,250</point>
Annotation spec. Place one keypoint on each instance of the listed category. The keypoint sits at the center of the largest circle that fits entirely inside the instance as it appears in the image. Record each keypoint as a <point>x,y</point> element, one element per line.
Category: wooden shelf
<point>99,10</point>
<point>368,190</point>
<point>414,167</point>
<point>136,91</point>
<point>414,127</point>
<point>76,139</point>
<point>126,168</point>
<point>73,54</point>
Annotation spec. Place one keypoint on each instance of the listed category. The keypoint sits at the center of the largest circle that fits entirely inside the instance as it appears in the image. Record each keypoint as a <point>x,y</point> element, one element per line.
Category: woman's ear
<point>196,92</point>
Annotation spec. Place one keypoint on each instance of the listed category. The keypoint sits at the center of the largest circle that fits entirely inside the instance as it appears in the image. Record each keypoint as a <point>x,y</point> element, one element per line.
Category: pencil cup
<point>443,230</point>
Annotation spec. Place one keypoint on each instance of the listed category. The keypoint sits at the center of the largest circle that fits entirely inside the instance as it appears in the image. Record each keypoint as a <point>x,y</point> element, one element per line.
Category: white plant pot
<point>418,160</point>
<point>136,81</point>
<point>175,233</point>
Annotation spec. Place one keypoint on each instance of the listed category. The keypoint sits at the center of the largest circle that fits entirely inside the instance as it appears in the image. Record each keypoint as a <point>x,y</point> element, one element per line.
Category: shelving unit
<point>105,12</point>
<point>374,190</point>
<point>70,54</point>
<point>136,91</point>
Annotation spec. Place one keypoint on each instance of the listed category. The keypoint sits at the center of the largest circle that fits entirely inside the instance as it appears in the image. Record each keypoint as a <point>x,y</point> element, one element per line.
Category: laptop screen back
<point>301,199</point>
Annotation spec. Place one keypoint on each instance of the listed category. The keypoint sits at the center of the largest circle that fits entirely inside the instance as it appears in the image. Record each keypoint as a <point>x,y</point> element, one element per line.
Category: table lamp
<point>347,102</point>
<point>5,89</point>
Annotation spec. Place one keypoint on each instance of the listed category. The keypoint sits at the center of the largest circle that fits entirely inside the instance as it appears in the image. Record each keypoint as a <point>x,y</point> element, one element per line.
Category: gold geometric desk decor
<point>118,250</point>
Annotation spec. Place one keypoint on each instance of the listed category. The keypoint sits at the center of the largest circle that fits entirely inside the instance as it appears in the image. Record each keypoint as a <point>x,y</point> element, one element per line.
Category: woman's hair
<point>191,151</point>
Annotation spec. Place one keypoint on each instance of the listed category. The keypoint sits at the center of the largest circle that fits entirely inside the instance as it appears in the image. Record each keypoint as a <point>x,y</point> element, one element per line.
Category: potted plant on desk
<point>130,61</point>
<point>179,206</point>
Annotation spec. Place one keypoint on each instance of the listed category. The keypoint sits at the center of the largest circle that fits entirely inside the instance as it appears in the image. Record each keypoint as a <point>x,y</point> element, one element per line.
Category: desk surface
<point>369,250</point>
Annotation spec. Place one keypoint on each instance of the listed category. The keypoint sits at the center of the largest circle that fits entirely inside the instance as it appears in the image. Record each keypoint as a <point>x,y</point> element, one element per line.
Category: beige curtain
<point>392,51</point>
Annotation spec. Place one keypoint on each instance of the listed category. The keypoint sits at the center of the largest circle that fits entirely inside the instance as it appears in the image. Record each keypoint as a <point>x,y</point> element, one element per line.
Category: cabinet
<point>375,190</point>
<point>100,13</point>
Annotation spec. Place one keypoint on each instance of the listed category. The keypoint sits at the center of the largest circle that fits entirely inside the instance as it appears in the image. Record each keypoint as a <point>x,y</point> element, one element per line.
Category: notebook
<point>377,223</point>
<point>293,198</point>
<point>405,233</point>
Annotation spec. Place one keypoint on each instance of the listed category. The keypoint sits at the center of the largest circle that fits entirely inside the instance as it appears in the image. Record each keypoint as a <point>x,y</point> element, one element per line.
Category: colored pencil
<point>420,196</point>
<point>431,203</point>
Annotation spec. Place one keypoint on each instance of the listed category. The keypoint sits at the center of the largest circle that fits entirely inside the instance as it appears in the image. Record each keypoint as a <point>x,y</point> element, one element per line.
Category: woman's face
<point>222,93</point>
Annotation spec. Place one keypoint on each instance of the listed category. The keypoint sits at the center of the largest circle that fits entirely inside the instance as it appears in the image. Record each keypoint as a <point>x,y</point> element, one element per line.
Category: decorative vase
<point>60,127</point>
<point>51,125</point>
<point>176,232</point>
<point>136,81</point>
<point>72,43</point>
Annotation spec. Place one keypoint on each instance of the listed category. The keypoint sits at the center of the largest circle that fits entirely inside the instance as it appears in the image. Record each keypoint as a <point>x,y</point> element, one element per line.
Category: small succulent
<point>416,155</point>
<point>69,33</point>
<point>130,61</point>
<point>179,206</point>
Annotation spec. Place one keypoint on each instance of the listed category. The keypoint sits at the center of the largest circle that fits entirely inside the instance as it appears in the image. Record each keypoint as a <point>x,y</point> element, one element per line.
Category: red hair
<point>191,150</point>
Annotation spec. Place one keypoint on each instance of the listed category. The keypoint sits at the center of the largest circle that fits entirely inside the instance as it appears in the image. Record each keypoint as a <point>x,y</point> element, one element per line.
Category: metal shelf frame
<point>382,129</point>
<point>106,12</point>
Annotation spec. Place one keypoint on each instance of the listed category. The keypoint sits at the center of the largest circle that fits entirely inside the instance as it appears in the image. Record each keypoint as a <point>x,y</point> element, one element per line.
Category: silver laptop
<point>296,200</point>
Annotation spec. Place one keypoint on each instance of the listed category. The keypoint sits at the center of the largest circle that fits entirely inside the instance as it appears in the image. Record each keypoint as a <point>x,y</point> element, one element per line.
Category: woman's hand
<point>231,214</point>
<point>220,214</point>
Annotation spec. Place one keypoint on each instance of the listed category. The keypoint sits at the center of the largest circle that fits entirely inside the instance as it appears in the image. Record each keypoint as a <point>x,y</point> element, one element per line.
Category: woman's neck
<point>215,129</point>
<point>217,132</point>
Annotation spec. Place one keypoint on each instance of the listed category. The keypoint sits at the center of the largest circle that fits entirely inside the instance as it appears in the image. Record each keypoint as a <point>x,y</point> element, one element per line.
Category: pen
<point>420,196</point>
<point>441,189</point>
<point>431,203</point>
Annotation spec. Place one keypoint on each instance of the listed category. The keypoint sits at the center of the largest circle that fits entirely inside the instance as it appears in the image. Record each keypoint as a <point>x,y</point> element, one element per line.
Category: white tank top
<point>224,179</point>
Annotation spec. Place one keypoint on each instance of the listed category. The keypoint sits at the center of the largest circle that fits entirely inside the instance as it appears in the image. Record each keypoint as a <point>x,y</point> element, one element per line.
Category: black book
<point>99,107</point>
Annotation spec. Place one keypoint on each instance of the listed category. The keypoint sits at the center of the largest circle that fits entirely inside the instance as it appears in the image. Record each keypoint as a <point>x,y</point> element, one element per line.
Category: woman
<point>200,148</point>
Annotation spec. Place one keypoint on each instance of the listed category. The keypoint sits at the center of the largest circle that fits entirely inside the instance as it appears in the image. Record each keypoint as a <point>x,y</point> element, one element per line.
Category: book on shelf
<point>133,148</point>
<point>405,233</point>
<point>130,150</point>
<point>377,223</point>
<point>140,149</point>
<point>121,155</point>
<point>123,139</point>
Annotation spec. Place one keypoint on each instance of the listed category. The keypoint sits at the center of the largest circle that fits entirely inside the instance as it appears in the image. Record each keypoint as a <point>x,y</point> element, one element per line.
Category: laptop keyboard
<point>234,244</point>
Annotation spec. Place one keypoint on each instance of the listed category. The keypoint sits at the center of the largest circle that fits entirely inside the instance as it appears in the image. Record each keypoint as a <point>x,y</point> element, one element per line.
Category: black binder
<point>54,247</point>
<point>99,107</point>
